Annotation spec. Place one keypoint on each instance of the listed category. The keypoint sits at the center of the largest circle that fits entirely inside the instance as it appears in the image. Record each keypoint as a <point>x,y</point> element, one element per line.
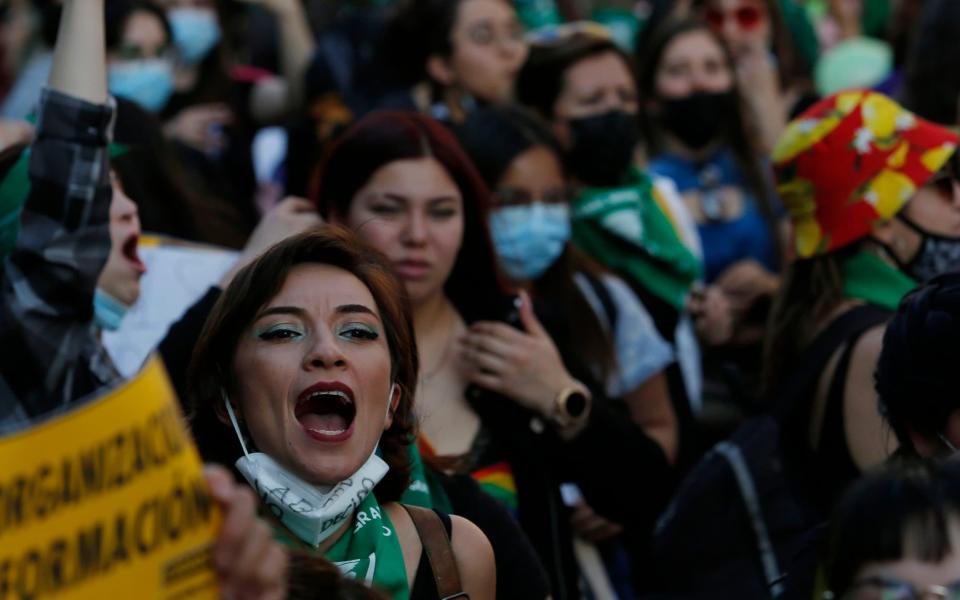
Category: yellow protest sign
<point>107,501</point>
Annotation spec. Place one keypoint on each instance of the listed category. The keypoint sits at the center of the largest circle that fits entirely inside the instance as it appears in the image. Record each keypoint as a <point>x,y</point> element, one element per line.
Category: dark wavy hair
<point>495,137</point>
<point>916,373</point>
<point>903,511</point>
<point>543,77</point>
<point>254,286</point>
<point>474,286</point>
<point>420,29</point>
<point>737,132</point>
<point>119,12</point>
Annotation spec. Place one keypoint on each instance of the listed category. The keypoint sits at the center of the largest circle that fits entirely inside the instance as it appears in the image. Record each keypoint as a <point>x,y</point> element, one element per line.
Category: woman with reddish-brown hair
<point>309,357</point>
<point>495,398</point>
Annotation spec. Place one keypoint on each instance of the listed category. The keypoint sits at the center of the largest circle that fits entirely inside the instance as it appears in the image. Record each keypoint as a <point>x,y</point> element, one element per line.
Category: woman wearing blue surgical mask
<point>119,284</point>
<point>140,54</point>
<point>530,228</point>
<point>598,323</point>
<point>209,117</point>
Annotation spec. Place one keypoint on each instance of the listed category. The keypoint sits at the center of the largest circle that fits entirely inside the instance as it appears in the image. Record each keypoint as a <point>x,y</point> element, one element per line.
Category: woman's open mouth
<point>129,252</point>
<point>326,411</point>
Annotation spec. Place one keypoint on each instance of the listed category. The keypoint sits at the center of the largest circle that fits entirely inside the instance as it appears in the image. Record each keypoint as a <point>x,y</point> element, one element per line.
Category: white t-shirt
<point>640,351</point>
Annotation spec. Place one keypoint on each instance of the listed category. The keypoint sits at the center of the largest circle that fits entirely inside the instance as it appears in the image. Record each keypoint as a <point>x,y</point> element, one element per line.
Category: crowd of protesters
<point>602,299</point>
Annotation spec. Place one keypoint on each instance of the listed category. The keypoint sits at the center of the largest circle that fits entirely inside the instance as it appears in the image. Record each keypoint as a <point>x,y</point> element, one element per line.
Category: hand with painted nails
<point>249,564</point>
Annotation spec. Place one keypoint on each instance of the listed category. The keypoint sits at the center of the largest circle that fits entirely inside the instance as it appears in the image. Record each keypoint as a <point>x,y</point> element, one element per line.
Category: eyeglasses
<point>554,35</point>
<point>518,197</point>
<point>484,34</point>
<point>747,17</point>
<point>896,589</point>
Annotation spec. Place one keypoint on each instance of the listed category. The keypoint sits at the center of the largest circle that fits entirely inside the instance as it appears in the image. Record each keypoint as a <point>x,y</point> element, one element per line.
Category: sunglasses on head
<point>746,16</point>
<point>895,589</point>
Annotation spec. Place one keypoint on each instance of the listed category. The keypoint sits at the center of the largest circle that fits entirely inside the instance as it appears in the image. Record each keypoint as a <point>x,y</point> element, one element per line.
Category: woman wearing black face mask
<point>695,135</point>
<point>582,84</point>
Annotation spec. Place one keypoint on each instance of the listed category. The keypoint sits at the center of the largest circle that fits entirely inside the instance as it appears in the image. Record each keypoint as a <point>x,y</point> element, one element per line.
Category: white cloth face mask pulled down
<point>312,512</point>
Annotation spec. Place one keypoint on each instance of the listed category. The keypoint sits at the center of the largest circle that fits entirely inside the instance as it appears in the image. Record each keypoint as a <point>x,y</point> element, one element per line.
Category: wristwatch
<point>571,406</point>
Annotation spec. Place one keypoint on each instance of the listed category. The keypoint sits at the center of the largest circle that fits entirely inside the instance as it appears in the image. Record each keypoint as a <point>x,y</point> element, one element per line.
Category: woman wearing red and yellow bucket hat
<point>872,192</point>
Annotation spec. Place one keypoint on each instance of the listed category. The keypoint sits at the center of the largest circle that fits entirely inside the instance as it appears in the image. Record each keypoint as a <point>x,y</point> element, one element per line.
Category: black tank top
<point>824,471</point>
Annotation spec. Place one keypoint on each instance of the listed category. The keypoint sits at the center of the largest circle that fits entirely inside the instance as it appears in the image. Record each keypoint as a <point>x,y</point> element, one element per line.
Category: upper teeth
<point>342,396</point>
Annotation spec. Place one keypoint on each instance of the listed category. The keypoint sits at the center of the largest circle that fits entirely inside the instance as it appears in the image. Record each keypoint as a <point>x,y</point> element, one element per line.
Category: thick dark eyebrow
<point>343,309</point>
<point>281,310</point>
<point>441,200</point>
<point>352,309</point>
<point>403,199</point>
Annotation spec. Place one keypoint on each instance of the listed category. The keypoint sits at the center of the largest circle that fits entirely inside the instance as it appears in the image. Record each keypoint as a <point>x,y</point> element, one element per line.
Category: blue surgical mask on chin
<point>149,82</point>
<point>108,312</point>
<point>529,238</point>
<point>195,33</point>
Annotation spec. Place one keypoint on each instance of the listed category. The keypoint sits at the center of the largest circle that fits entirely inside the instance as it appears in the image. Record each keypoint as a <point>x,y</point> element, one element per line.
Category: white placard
<point>178,274</point>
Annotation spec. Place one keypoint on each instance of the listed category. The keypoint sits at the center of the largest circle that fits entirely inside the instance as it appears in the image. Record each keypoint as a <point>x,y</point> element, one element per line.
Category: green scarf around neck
<point>425,490</point>
<point>625,229</point>
<point>869,278</point>
<point>368,551</point>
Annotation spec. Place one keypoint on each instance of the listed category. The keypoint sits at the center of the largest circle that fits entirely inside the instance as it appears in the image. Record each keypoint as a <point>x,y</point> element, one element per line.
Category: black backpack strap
<point>850,325</point>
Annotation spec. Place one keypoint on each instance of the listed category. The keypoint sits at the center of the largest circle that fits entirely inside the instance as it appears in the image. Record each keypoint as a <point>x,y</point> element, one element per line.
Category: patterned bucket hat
<point>850,161</point>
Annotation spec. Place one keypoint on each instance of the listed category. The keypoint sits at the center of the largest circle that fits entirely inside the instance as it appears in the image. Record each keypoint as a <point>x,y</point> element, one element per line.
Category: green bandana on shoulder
<point>425,490</point>
<point>626,230</point>
<point>368,551</point>
<point>867,277</point>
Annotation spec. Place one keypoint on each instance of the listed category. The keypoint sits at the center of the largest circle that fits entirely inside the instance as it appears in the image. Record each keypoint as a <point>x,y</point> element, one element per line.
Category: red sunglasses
<point>747,16</point>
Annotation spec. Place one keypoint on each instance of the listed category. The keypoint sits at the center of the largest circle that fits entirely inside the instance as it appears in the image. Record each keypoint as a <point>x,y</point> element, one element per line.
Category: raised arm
<point>297,43</point>
<point>47,283</point>
<point>79,58</point>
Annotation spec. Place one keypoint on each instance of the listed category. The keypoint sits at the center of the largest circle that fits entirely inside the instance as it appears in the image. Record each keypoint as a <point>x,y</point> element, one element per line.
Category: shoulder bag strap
<point>436,545</point>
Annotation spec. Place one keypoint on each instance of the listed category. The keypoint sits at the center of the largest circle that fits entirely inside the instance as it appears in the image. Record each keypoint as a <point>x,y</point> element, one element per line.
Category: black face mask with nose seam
<point>602,147</point>
<point>700,118</point>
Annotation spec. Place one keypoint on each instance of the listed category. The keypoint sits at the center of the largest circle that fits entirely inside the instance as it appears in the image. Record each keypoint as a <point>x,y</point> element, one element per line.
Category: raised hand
<point>521,364</point>
<point>249,563</point>
<point>291,216</point>
<point>200,126</point>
